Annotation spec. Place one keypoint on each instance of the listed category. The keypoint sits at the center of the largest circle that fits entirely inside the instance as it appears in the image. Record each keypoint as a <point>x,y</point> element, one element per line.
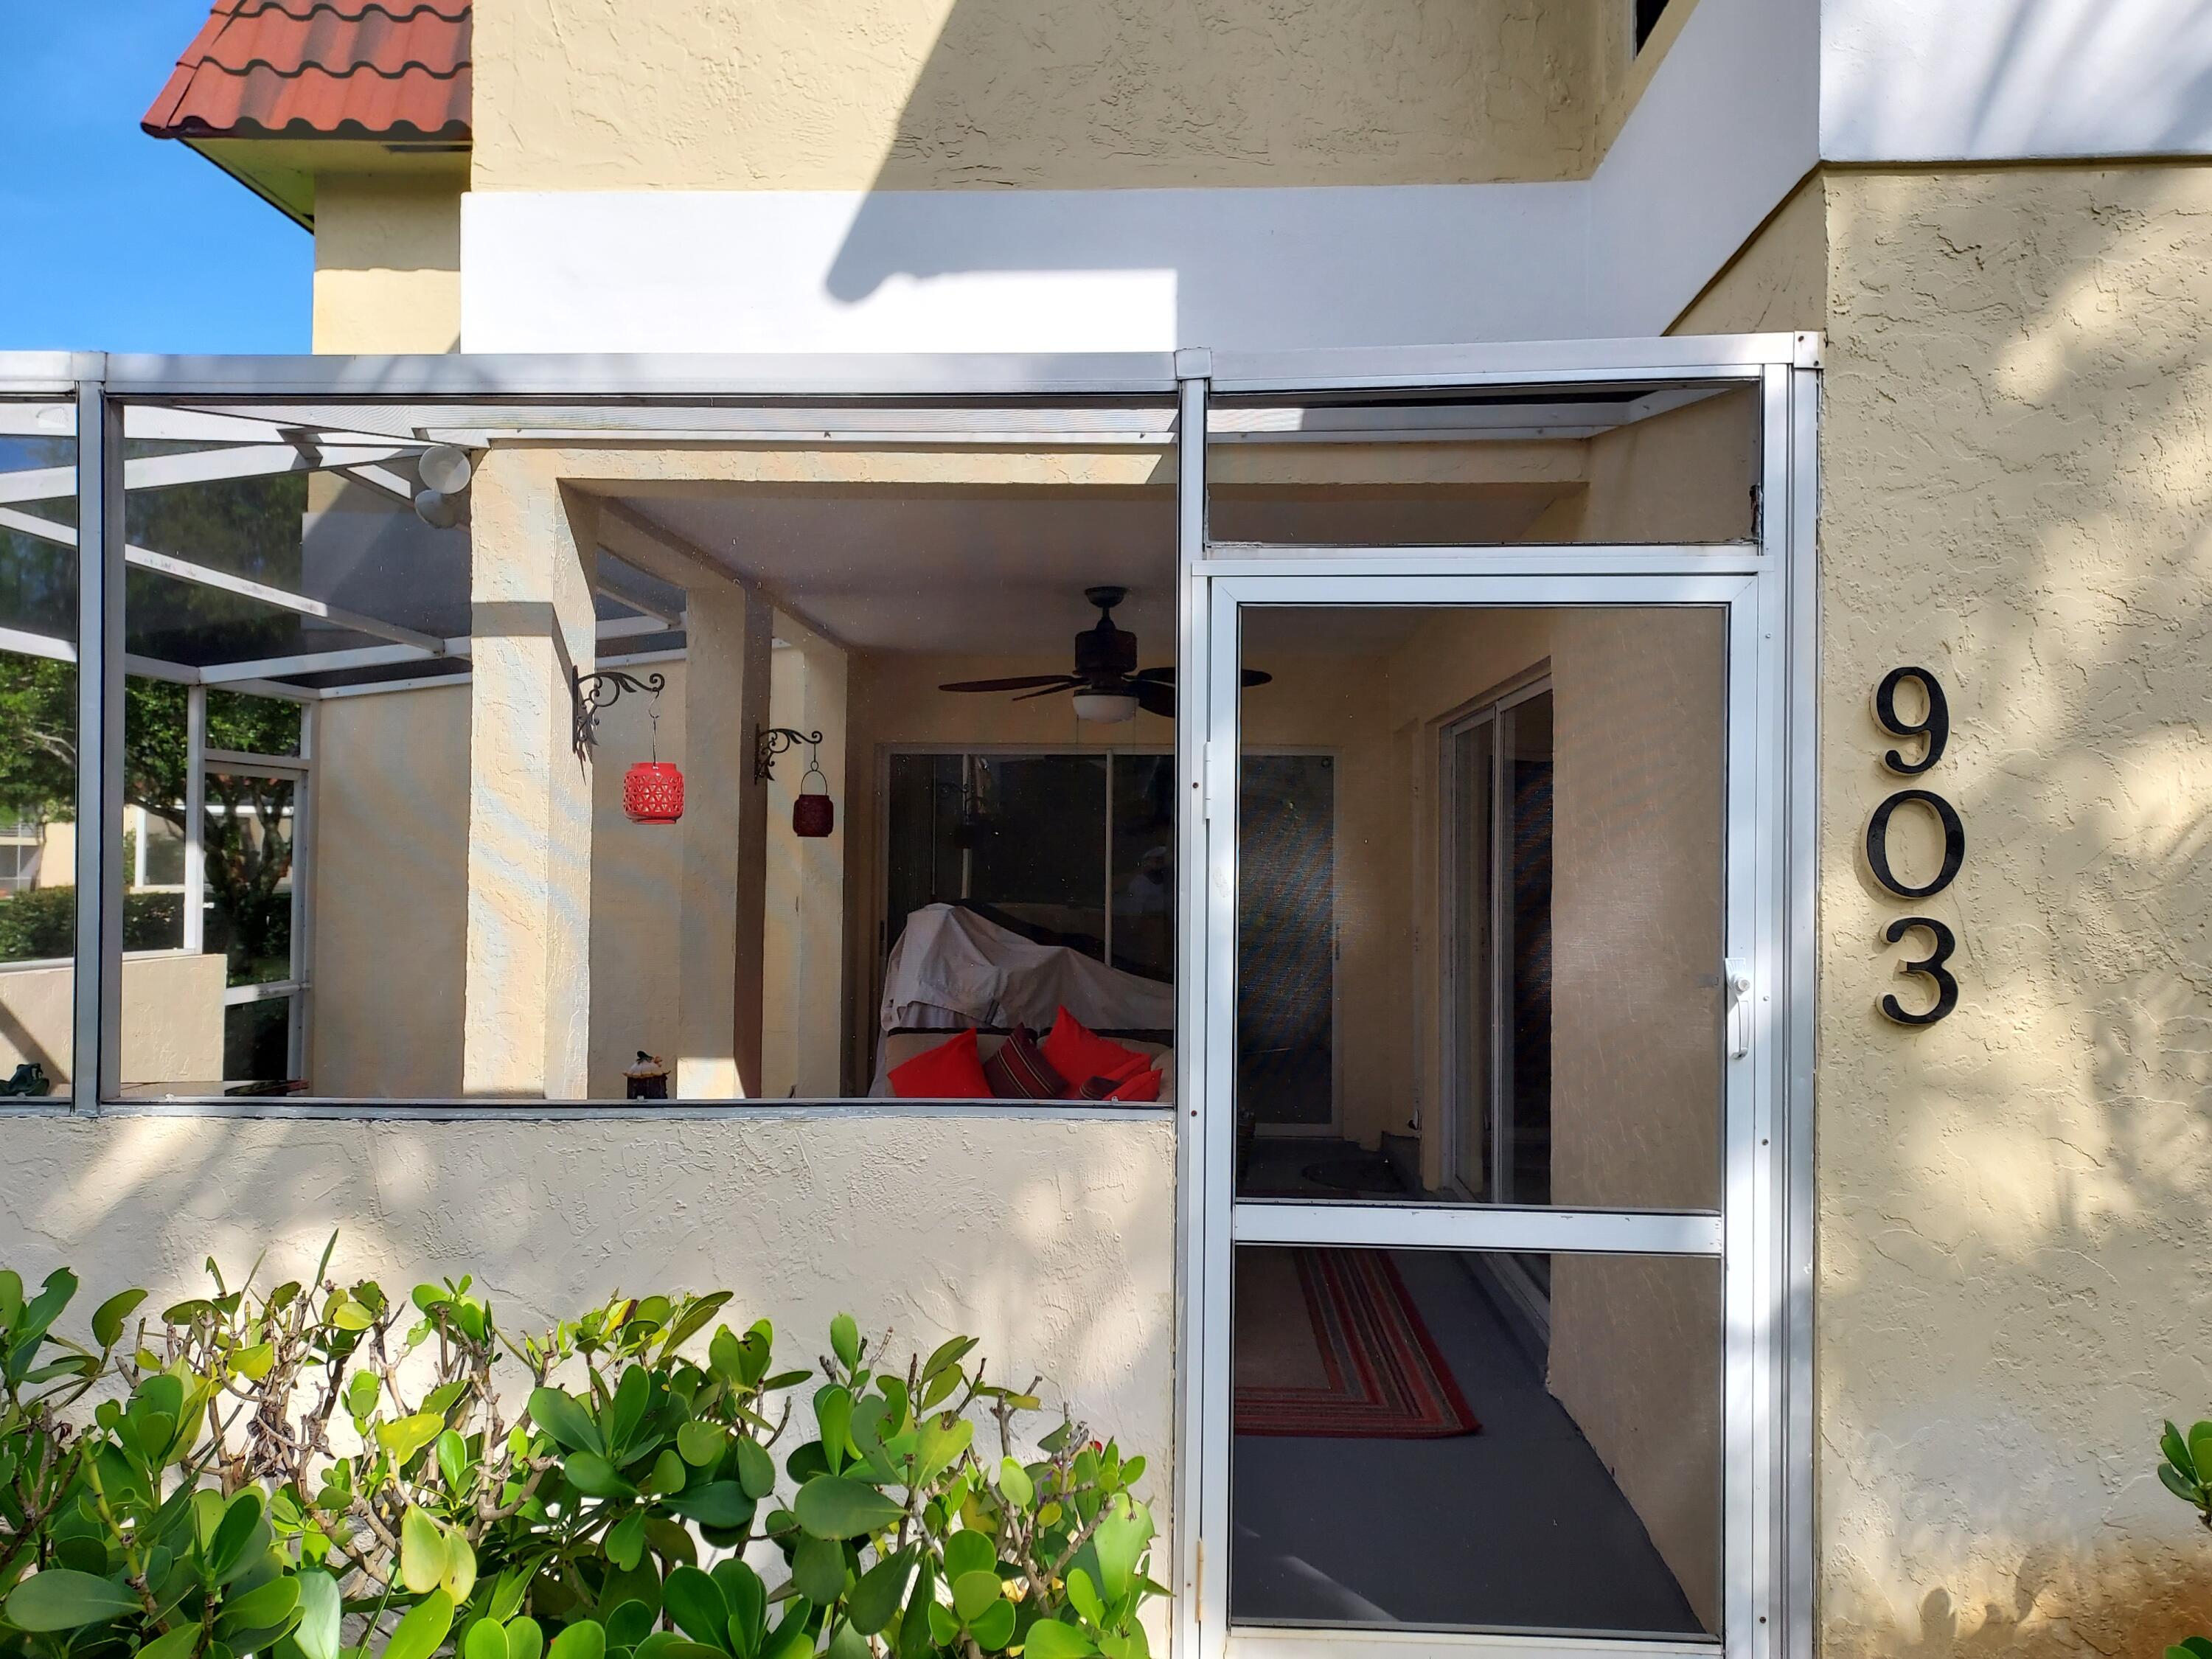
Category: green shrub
<point>320,1473</point>
<point>2185,1470</point>
<point>41,922</point>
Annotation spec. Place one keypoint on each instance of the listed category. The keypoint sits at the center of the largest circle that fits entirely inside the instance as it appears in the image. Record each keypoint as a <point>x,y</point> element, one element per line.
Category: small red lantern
<point>813,814</point>
<point>653,793</point>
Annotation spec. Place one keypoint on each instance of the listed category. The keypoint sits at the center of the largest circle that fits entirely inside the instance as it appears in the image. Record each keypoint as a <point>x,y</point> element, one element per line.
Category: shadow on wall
<point>2017,492</point>
<point>1122,123</point>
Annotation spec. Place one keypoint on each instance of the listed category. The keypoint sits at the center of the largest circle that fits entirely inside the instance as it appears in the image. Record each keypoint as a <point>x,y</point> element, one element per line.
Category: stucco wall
<point>1053,1241</point>
<point>387,264</point>
<point>2011,1205</point>
<point>170,1021</point>
<point>934,94</point>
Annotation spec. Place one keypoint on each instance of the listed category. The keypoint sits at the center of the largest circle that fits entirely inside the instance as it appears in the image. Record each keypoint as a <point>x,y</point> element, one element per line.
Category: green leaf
<point>627,1409</point>
<point>241,1517</point>
<point>586,1640</point>
<point>460,1577</point>
<point>422,1629</point>
<point>833,1410</point>
<point>667,1644</point>
<point>694,1605</point>
<point>1014,1481</point>
<point>2177,1450</point>
<point>717,1503</point>
<point>846,1642</point>
<point>1120,1541</point>
<point>2179,1484</point>
<point>1050,1639</point>
<point>973,1593</point>
<point>11,1298</point>
<point>875,1600</point>
<point>943,1625</point>
<point>791,1639</point>
<point>320,1611</point>
<point>2200,1451</point>
<point>2199,1645</point>
<point>1083,1596</point>
<point>914,1633</point>
<point>452,1457</point>
<point>422,1551</point>
<point>819,1569</point>
<point>108,1318</point>
<point>352,1316</point>
<point>948,1353</point>
<point>940,1447</point>
<point>835,1507</point>
<point>180,1644</point>
<point>486,1640</point>
<point>747,1596</point>
<point>594,1476</point>
<point>628,1624</point>
<point>261,1608</point>
<point>970,1552</point>
<point>409,1435</point>
<point>845,1340</point>
<point>569,1425</point>
<point>524,1640</point>
<point>61,1598</point>
<point>701,1444</point>
<point>361,1393</point>
<point>996,1628</point>
<point>756,1468</point>
<point>625,1543</point>
<point>507,1595</point>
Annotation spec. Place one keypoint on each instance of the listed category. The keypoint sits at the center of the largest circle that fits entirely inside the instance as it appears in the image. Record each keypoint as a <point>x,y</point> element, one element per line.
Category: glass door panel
<point>1473,892</point>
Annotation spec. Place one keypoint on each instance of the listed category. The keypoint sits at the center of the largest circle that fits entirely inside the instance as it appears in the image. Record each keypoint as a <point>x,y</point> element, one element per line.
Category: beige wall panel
<point>1052,1241</point>
<point>1777,280</point>
<point>2016,483</point>
<point>172,1018</point>
<point>387,265</point>
<point>390,894</point>
<point>637,886</point>
<point>938,94</point>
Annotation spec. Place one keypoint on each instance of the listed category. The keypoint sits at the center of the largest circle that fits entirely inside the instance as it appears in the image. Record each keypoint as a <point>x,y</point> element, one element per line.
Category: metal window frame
<point>1785,368</point>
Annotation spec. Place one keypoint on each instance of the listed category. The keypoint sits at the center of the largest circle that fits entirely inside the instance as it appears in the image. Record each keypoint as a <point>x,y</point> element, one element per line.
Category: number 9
<point>1936,726</point>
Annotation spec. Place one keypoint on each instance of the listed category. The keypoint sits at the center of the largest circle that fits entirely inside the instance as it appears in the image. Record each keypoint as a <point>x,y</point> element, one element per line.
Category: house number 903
<point>1935,727</point>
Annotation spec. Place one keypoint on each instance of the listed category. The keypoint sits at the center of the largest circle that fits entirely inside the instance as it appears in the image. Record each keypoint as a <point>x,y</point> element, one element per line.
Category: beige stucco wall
<point>2015,490</point>
<point>907,94</point>
<point>171,1019</point>
<point>387,264</point>
<point>1052,1240</point>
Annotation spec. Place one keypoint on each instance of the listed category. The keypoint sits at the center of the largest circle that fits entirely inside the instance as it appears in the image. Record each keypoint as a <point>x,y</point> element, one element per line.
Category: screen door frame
<point>1741,1235</point>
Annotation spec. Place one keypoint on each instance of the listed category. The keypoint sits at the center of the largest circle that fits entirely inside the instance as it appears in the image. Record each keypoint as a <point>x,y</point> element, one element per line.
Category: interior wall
<point>803,948</point>
<point>1683,476</point>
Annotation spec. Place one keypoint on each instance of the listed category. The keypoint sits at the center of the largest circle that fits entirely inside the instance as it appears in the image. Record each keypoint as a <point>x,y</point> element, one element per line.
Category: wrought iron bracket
<point>772,741</point>
<point>591,692</point>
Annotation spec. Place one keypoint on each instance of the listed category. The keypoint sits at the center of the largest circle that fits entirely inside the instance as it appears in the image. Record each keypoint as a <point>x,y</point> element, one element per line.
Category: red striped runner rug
<point>1329,1345</point>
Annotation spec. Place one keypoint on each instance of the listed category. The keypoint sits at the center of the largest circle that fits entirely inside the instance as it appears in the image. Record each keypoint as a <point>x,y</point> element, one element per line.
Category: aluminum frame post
<point>95,1067</point>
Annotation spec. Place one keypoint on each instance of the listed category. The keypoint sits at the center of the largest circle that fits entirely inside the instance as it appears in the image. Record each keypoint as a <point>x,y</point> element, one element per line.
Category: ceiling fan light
<point>1105,707</point>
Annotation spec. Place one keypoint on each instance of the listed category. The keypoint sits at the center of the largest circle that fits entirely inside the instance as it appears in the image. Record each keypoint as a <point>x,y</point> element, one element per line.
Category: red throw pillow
<point>1144,1086</point>
<point>950,1071</point>
<point>1130,1075</point>
<point>1019,1070</point>
<point>1076,1052</point>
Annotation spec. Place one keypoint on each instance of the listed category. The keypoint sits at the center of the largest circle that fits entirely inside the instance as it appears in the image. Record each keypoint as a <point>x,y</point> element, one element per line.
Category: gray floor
<point>1518,1526</point>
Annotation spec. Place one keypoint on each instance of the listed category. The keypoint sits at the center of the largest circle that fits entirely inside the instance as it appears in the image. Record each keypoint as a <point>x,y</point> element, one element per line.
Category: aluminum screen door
<point>1525,1411</point>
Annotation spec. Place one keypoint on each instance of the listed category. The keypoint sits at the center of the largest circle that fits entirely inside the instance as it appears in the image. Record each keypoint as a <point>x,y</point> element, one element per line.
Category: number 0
<point>1877,843</point>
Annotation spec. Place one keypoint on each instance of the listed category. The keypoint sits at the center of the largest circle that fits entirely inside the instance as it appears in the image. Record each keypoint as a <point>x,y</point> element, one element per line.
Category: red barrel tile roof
<point>337,68</point>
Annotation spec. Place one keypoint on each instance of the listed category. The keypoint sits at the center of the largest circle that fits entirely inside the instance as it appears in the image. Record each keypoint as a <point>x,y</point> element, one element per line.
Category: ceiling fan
<point>1107,685</point>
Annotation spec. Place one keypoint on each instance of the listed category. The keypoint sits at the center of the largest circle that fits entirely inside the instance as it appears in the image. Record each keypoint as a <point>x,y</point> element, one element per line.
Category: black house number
<point>1934,729</point>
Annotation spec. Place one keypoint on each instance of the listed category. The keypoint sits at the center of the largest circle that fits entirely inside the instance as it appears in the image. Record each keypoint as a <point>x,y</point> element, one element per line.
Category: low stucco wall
<point>1051,1238</point>
<point>172,1019</point>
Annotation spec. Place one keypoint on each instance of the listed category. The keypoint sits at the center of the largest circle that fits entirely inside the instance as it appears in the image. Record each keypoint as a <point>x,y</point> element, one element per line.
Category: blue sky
<point>116,241</point>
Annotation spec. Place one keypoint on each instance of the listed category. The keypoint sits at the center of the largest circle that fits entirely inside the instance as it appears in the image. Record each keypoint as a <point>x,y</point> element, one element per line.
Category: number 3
<point>1929,966</point>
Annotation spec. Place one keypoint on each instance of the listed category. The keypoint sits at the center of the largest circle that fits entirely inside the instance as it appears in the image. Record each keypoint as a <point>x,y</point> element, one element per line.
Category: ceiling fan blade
<point>1256,677</point>
<point>1164,676</point>
<point>1050,690</point>
<point>1155,698</point>
<point>1018,683</point>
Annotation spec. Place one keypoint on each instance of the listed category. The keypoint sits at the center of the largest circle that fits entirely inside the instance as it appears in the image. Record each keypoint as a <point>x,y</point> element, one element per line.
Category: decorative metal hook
<point>774,741</point>
<point>592,692</point>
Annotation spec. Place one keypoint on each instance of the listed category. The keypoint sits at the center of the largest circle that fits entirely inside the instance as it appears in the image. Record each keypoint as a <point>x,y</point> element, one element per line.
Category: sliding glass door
<point>1471,1367</point>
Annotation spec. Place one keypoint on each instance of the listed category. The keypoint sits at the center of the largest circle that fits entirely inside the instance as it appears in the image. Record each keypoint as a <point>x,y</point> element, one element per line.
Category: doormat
<point>1329,1346</point>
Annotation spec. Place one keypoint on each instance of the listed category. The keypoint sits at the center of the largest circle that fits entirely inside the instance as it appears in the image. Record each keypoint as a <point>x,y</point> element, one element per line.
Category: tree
<point>247,836</point>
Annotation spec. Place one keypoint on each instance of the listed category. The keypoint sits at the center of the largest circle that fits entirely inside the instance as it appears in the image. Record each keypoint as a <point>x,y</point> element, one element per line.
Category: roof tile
<point>352,68</point>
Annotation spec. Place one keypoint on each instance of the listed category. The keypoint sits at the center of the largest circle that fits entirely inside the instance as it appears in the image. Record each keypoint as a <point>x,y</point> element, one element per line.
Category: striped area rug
<point>1330,1346</point>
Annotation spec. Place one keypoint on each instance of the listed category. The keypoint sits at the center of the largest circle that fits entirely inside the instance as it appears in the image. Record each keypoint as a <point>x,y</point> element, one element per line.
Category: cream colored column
<point>728,636</point>
<point>526,1006</point>
<point>803,1024</point>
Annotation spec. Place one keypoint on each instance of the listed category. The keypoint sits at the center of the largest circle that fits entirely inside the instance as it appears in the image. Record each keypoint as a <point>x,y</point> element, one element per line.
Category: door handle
<point>1735,973</point>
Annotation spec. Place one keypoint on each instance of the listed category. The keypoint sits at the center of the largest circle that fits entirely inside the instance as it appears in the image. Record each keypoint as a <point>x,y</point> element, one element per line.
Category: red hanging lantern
<point>653,793</point>
<point>813,814</point>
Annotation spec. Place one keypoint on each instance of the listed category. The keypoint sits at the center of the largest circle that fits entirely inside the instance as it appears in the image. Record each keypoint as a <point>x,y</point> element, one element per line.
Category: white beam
<point>185,570</point>
<point>318,662</point>
<point>53,483</point>
<point>383,479</point>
